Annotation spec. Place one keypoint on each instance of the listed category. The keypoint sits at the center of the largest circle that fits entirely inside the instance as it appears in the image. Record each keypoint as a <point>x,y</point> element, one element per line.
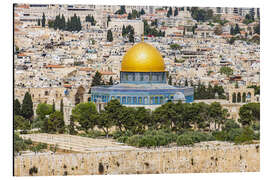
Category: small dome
<point>179,97</point>
<point>143,57</point>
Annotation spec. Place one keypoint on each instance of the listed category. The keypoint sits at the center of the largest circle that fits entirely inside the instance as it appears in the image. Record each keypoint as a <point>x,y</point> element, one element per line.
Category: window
<point>145,100</point>
<point>124,100</point>
<point>46,93</point>
<point>156,100</point>
<point>129,100</point>
<point>152,100</point>
<point>140,100</point>
<point>134,100</point>
<point>161,100</point>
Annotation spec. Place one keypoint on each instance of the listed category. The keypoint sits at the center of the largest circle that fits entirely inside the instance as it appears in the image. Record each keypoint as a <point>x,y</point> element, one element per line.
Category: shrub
<point>256,136</point>
<point>256,126</point>
<point>184,140</point>
<point>134,140</point>
<point>230,124</point>
<point>246,135</point>
<point>232,134</point>
<point>117,134</point>
<point>122,139</point>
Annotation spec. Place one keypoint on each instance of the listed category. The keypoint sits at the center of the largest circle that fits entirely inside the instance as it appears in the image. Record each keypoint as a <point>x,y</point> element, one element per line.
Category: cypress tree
<point>169,13</point>
<point>176,11</point>
<point>236,29</point>
<point>17,107</point>
<point>43,20</point>
<point>96,79</point>
<point>186,82</point>
<point>129,16</point>
<point>231,31</point>
<point>123,30</point>
<point>38,23</point>
<point>79,25</point>
<point>63,23</point>
<point>109,36</point>
<point>62,106</point>
<point>170,80</point>
<point>142,12</point>
<point>27,107</point>
<point>53,106</point>
<point>111,81</point>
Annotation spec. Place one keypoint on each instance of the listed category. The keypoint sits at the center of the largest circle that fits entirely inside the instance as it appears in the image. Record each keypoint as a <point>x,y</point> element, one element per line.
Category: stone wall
<point>242,158</point>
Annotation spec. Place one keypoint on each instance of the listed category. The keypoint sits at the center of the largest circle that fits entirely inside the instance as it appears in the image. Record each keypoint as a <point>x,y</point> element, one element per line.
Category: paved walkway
<point>77,143</point>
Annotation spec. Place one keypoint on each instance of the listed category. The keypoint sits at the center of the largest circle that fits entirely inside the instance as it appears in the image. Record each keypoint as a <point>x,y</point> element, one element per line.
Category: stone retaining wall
<point>241,158</point>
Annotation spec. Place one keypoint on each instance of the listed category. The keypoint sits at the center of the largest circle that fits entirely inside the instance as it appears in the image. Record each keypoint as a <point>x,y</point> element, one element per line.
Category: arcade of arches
<point>241,95</point>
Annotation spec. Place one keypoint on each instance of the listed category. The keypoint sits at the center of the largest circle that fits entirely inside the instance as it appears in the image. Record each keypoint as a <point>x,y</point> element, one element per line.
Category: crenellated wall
<point>241,158</point>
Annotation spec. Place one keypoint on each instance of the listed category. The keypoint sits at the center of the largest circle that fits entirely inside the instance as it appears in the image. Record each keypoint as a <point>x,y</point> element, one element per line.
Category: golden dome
<point>143,57</point>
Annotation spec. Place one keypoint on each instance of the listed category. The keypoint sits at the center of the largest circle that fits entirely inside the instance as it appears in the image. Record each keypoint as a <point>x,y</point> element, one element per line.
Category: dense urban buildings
<point>134,73</point>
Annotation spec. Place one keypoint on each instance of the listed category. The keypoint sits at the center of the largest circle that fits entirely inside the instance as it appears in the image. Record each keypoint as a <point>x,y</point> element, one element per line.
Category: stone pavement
<point>77,143</point>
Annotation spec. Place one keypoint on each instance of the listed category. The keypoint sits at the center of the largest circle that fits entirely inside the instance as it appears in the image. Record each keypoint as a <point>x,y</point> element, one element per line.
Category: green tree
<point>230,124</point>
<point>236,29</point>
<point>175,46</point>
<point>226,70</point>
<point>104,122</point>
<point>43,21</point>
<point>43,111</point>
<point>109,36</point>
<point>142,12</point>
<point>257,29</point>
<point>143,117</point>
<point>232,31</point>
<point>123,30</point>
<point>169,13</point>
<point>56,123</point>
<point>53,106</point>
<point>71,126</point>
<point>97,80</point>
<point>176,11</point>
<point>114,110</point>
<point>38,22</point>
<point>170,80</point>
<point>86,115</point>
<point>129,16</point>
<point>165,116</point>
<point>17,107</point>
<point>186,82</point>
<point>27,107</point>
<point>62,106</point>
<point>249,114</point>
<point>122,10</point>
<point>21,123</point>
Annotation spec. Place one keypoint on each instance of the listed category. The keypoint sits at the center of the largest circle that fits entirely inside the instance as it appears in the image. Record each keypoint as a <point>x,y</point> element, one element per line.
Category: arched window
<point>239,97</point>
<point>234,97</point>
<point>244,97</point>
<point>249,95</point>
